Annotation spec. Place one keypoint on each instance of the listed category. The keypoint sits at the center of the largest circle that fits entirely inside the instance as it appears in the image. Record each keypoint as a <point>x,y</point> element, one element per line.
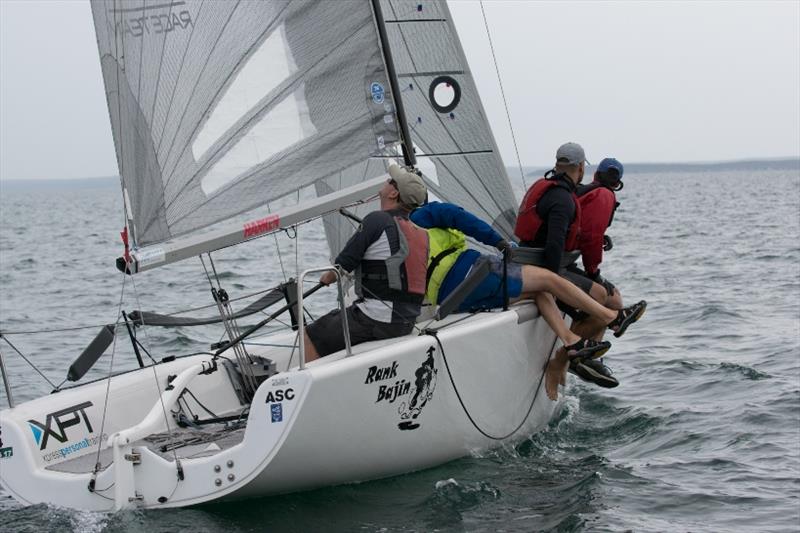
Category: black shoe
<point>593,371</point>
<point>626,317</point>
<point>587,349</point>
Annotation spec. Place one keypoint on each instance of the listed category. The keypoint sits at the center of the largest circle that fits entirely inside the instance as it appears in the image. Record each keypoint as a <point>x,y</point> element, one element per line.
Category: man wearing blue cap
<point>552,217</point>
<point>598,202</point>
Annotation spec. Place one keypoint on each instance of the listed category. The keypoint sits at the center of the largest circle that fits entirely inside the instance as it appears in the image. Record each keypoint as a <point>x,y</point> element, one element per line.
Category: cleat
<point>626,317</point>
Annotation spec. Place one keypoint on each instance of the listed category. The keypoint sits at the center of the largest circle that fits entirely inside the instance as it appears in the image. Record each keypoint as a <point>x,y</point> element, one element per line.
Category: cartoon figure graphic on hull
<point>425,384</point>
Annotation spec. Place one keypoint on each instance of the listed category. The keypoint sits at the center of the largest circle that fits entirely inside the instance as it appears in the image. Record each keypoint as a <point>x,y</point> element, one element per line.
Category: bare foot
<point>556,374</point>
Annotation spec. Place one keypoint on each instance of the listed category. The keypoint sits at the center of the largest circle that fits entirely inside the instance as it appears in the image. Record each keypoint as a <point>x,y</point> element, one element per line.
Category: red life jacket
<point>402,276</point>
<point>529,222</point>
<point>415,263</point>
<point>586,193</point>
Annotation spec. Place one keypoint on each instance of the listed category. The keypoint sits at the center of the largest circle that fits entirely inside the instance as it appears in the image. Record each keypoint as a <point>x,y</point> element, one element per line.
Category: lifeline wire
<point>464,407</point>
<point>503,93</point>
<point>26,360</point>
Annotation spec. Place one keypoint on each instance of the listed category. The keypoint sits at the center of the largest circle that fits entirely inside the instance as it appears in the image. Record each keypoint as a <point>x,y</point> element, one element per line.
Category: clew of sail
<point>454,145</point>
<point>218,108</point>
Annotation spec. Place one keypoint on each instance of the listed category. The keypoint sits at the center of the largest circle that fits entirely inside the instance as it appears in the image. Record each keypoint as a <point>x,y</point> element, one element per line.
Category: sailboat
<point>218,111</point>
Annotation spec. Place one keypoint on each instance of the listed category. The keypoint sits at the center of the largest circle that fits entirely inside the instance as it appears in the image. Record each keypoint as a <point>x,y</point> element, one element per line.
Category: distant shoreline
<point>789,163</point>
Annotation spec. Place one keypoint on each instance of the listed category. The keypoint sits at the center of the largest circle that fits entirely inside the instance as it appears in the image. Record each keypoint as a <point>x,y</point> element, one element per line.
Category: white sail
<point>220,107</point>
<point>453,143</point>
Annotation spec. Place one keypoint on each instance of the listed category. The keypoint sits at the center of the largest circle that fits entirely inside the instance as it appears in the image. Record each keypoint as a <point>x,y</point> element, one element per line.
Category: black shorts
<point>578,277</point>
<point>327,335</point>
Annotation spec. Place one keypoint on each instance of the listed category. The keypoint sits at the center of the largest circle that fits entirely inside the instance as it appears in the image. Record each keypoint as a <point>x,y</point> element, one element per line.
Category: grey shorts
<point>578,277</point>
<point>327,335</point>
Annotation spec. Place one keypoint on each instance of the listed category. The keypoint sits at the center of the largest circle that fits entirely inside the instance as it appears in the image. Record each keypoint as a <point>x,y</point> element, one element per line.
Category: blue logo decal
<point>276,409</point>
<point>377,92</point>
<point>37,433</point>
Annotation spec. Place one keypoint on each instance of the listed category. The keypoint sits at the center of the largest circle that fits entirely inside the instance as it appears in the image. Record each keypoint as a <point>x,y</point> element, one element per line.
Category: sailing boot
<point>593,371</point>
<point>626,317</point>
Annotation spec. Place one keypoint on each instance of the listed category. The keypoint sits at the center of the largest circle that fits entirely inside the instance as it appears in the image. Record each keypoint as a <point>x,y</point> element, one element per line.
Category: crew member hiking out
<point>598,203</point>
<point>389,254</point>
<point>550,218</point>
<point>451,261</point>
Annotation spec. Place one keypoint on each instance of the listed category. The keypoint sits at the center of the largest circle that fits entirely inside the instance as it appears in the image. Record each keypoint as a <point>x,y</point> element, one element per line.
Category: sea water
<point>703,433</point>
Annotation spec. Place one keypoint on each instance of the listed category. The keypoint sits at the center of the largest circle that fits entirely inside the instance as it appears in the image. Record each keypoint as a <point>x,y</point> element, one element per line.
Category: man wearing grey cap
<point>389,255</point>
<point>550,218</point>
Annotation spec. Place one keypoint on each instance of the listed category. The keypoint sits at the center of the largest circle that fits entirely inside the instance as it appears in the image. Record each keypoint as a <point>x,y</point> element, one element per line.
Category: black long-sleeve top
<point>556,208</point>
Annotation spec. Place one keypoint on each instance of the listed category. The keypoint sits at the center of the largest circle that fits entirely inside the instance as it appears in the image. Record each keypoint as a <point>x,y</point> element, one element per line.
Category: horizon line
<point>536,166</point>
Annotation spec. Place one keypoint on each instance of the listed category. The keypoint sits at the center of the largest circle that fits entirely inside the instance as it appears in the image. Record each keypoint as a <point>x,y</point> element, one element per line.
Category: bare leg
<point>310,349</point>
<point>594,328</point>
<point>590,328</point>
<point>556,373</point>
<point>551,314</point>
<point>535,279</point>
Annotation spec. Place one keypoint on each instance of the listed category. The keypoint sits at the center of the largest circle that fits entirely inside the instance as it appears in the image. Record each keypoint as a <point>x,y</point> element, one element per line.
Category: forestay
<point>454,145</point>
<point>218,108</point>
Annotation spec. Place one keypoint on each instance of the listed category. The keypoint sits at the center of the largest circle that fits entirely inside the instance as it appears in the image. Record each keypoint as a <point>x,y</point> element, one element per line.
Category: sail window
<point>286,124</point>
<point>266,68</point>
<point>444,93</point>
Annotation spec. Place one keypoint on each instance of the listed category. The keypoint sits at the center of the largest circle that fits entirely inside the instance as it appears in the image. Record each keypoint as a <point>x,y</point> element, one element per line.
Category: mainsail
<point>454,145</point>
<point>220,107</point>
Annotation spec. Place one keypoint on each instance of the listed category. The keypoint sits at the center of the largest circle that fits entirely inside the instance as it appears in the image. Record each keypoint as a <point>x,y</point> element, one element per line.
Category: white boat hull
<point>389,409</point>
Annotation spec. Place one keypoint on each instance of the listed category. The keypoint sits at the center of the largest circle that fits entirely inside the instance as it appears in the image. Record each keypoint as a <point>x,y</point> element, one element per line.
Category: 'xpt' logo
<point>71,416</point>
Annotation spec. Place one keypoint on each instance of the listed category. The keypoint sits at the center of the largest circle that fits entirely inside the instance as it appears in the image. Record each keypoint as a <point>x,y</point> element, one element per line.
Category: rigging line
<point>226,312</point>
<point>56,330</point>
<point>464,407</point>
<point>26,360</point>
<point>222,86</point>
<point>91,326</point>
<point>155,373</point>
<point>503,93</point>
<point>108,380</point>
<point>145,8</point>
<point>431,73</point>
<point>278,247</point>
<point>441,154</point>
<point>406,21</point>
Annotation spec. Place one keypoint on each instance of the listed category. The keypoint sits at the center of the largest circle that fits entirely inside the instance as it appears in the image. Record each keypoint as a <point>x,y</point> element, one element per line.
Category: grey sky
<point>643,81</point>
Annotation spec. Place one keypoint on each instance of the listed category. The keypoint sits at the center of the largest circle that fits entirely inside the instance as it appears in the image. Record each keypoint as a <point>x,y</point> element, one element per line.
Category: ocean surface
<point>703,434</point>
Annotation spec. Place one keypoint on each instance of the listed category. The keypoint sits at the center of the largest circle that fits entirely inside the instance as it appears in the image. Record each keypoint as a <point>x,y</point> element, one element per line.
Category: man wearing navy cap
<point>598,202</point>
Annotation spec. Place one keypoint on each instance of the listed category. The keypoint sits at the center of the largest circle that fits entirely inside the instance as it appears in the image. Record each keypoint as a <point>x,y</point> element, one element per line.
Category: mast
<point>408,148</point>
